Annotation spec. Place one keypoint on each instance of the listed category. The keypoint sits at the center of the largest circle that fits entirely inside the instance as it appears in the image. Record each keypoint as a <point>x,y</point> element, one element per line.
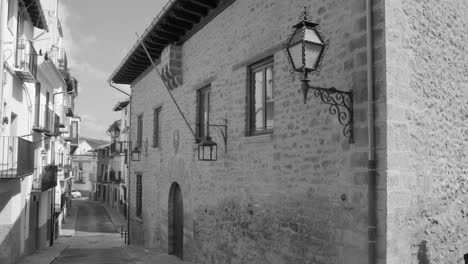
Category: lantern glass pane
<point>312,36</point>
<point>297,36</point>
<point>312,55</point>
<point>296,55</point>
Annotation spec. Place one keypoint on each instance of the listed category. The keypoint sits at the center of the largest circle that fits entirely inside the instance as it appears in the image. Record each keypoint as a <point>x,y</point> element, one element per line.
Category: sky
<point>97,36</point>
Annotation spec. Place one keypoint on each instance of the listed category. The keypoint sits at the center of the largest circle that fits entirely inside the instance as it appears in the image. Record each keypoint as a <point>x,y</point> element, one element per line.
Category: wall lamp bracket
<point>340,104</point>
<point>222,129</point>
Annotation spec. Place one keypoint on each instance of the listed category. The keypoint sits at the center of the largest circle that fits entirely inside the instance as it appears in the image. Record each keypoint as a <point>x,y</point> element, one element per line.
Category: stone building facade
<point>299,193</point>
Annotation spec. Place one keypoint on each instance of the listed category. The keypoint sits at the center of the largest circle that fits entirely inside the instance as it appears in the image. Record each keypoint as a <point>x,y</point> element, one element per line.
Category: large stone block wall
<point>268,199</point>
<point>427,131</point>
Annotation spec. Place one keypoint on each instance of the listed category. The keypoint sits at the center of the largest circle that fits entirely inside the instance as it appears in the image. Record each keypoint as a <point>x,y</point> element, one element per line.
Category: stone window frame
<point>262,64</point>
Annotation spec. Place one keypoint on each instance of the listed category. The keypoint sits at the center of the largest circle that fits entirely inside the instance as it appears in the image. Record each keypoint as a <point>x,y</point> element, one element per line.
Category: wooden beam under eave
<point>206,4</point>
<point>181,18</point>
<point>178,23</point>
<point>153,42</point>
<point>163,35</point>
<point>193,9</point>
<point>172,26</point>
<point>136,65</point>
<point>171,30</point>
<point>187,15</point>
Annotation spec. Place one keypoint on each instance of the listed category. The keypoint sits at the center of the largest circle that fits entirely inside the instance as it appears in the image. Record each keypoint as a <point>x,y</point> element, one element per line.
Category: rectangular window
<point>203,111</point>
<point>156,128</point>
<point>139,131</point>
<point>11,16</point>
<point>261,98</point>
<point>139,189</point>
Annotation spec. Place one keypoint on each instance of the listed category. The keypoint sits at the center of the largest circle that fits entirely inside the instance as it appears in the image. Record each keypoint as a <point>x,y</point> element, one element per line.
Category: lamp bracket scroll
<point>222,129</point>
<point>340,103</point>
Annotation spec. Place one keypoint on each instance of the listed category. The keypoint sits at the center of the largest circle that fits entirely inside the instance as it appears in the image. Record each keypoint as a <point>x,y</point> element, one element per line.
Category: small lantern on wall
<point>207,149</point>
<point>114,131</point>
<point>136,154</point>
<point>305,49</point>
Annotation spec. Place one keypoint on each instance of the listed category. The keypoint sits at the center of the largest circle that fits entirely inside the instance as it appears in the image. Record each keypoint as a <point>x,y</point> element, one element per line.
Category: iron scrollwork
<point>340,104</point>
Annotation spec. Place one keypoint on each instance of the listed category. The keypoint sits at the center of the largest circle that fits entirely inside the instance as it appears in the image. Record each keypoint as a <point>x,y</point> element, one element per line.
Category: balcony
<point>45,178</point>
<point>16,157</point>
<point>73,134</point>
<point>118,147</point>
<point>59,57</point>
<point>25,67</point>
<point>112,176</point>
<point>44,119</point>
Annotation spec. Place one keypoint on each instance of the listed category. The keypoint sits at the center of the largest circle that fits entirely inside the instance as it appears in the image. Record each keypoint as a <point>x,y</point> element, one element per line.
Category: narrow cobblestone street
<point>90,235</point>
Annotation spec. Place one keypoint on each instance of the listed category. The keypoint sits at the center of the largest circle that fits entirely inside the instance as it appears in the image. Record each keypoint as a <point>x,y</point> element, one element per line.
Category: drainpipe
<point>372,181</point>
<point>1,61</point>
<point>129,157</point>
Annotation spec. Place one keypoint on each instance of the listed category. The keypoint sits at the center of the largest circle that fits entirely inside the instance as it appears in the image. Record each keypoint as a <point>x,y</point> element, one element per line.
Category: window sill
<point>257,138</point>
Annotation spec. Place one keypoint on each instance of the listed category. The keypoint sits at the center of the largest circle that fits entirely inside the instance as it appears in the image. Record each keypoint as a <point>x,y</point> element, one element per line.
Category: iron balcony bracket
<point>223,131</point>
<point>340,104</point>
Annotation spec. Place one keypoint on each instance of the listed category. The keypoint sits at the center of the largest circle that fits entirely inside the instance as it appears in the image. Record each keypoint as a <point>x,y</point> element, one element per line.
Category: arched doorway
<point>176,221</point>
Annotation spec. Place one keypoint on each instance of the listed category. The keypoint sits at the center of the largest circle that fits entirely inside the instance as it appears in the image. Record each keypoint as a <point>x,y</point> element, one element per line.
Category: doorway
<point>176,221</point>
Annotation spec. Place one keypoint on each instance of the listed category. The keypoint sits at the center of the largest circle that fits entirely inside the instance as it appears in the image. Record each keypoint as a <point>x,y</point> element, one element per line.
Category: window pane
<point>269,98</point>
<point>258,103</point>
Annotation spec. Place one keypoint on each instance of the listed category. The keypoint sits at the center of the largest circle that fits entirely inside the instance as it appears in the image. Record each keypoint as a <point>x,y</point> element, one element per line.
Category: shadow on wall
<point>9,230</point>
<point>423,253</point>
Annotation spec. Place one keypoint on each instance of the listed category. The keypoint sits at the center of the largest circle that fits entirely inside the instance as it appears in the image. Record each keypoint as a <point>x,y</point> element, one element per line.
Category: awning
<point>120,105</point>
<point>177,22</point>
<point>36,13</point>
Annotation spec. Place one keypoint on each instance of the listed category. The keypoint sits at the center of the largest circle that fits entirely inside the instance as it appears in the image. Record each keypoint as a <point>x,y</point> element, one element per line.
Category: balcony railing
<point>118,147</point>
<point>44,119</point>
<point>26,60</point>
<point>59,57</point>
<point>73,134</point>
<point>45,178</point>
<point>112,176</point>
<point>16,157</point>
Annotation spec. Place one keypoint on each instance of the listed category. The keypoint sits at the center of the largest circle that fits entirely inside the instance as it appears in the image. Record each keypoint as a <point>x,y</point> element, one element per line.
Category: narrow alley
<point>91,234</point>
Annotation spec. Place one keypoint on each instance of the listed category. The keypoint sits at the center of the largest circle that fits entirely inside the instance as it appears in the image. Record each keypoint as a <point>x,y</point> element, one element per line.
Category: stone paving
<point>76,246</point>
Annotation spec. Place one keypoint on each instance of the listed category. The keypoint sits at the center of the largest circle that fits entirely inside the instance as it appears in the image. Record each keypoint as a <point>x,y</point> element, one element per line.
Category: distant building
<point>84,165</point>
<point>288,186</point>
<point>117,161</point>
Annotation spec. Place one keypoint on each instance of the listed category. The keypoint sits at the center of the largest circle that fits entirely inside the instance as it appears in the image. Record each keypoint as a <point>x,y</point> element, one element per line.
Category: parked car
<point>75,194</point>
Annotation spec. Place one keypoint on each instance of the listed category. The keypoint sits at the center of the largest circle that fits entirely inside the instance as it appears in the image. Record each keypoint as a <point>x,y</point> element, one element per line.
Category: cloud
<point>87,69</point>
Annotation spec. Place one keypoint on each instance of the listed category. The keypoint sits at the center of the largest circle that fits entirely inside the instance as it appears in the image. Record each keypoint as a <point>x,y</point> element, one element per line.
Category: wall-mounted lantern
<point>114,131</point>
<point>136,152</point>
<point>207,148</point>
<point>305,49</point>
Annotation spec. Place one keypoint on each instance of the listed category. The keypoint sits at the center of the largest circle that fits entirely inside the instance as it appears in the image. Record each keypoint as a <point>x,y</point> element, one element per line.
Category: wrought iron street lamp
<point>305,50</point>
<point>114,131</point>
<point>136,154</point>
<point>207,149</point>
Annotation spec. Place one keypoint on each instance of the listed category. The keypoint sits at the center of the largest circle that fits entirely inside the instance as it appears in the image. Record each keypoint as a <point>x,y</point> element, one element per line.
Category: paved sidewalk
<point>69,240</point>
